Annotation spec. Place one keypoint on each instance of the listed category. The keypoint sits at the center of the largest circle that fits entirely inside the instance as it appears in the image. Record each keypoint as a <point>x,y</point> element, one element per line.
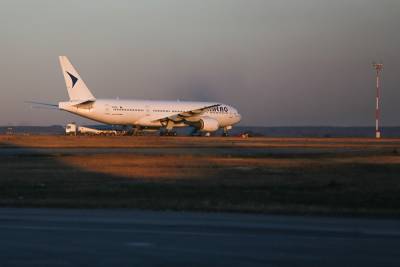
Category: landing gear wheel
<point>195,132</point>
<point>225,132</point>
<point>168,133</point>
<point>137,131</point>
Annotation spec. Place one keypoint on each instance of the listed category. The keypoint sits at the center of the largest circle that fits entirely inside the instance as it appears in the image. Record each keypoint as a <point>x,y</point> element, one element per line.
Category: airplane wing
<point>177,117</point>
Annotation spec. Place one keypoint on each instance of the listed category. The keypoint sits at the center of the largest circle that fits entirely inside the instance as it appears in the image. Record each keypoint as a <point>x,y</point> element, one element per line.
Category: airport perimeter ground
<point>332,176</point>
<point>340,178</point>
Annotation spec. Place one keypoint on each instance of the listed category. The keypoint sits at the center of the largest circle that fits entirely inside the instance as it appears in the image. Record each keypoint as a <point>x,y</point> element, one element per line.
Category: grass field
<point>280,175</point>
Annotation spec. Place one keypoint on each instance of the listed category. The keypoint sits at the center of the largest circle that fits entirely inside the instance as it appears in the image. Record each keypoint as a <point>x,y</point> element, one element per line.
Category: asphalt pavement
<point>66,237</point>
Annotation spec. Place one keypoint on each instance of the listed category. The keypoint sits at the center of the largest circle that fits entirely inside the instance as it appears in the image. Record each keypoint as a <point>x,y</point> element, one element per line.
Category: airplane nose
<point>239,117</point>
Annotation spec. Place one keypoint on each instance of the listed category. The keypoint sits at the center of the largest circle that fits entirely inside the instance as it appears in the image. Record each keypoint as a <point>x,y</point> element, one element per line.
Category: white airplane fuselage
<point>140,112</point>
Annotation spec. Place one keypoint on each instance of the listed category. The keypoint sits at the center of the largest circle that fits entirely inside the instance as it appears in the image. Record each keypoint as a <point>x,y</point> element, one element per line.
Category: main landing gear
<point>133,131</point>
<point>137,131</point>
<point>166,132</point>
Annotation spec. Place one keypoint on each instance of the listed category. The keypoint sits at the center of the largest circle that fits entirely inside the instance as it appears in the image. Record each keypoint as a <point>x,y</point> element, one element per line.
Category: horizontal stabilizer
<point>44,107</point>
<point>41,103</point>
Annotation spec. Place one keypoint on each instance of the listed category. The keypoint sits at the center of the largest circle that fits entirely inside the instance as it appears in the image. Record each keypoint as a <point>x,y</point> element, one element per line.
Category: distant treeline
<point>306,131</point>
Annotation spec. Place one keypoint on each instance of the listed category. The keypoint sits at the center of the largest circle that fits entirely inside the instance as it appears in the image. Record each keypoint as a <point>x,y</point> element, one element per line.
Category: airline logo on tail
<point>73,79</point>
<point>77,89</point>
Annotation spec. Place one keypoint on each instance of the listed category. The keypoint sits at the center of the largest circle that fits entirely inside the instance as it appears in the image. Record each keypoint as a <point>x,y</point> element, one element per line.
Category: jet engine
<point>206,124</point>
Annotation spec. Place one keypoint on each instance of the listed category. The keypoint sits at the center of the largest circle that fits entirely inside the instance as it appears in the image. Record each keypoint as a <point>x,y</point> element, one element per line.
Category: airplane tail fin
<point>77,89</point>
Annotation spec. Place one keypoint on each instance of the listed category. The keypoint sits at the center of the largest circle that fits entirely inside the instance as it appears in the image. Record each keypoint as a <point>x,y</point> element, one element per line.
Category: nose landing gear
<point>226,131</point>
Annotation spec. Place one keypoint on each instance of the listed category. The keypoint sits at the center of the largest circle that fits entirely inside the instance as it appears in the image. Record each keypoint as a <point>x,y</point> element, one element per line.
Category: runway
<point>62,237</point>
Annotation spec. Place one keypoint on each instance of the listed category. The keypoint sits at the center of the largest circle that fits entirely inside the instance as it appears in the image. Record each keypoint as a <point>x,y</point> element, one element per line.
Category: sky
<point>280,63</point>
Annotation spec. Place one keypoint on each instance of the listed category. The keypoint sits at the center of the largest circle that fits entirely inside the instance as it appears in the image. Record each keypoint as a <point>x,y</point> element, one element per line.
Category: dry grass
<point>171,167</point>
<point>53,141</point>
<point>320,180</point>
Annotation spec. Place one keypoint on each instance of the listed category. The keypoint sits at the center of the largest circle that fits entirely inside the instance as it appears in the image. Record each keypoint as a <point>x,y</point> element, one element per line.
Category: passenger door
<point>107,109</point>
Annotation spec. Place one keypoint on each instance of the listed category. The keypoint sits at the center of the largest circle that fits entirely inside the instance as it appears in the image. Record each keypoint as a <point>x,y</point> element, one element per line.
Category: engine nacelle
<point>208,125</point>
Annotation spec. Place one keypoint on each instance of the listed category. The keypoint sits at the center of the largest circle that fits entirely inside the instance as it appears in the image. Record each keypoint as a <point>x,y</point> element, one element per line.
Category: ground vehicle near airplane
<point>73,129</point>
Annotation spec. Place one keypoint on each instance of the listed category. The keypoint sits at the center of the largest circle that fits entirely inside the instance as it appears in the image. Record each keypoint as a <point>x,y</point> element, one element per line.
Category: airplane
<point>204,117</point>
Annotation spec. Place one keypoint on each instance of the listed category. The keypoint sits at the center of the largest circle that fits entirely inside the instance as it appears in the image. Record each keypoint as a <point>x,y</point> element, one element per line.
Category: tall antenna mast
<point>378,67</point>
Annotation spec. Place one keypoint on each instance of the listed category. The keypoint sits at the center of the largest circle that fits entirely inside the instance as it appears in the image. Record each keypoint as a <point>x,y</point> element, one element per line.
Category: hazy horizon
<point>280,63</point>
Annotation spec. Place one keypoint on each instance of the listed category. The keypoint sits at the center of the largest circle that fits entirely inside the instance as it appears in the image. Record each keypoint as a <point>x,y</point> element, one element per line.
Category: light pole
<point>378,67</point>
